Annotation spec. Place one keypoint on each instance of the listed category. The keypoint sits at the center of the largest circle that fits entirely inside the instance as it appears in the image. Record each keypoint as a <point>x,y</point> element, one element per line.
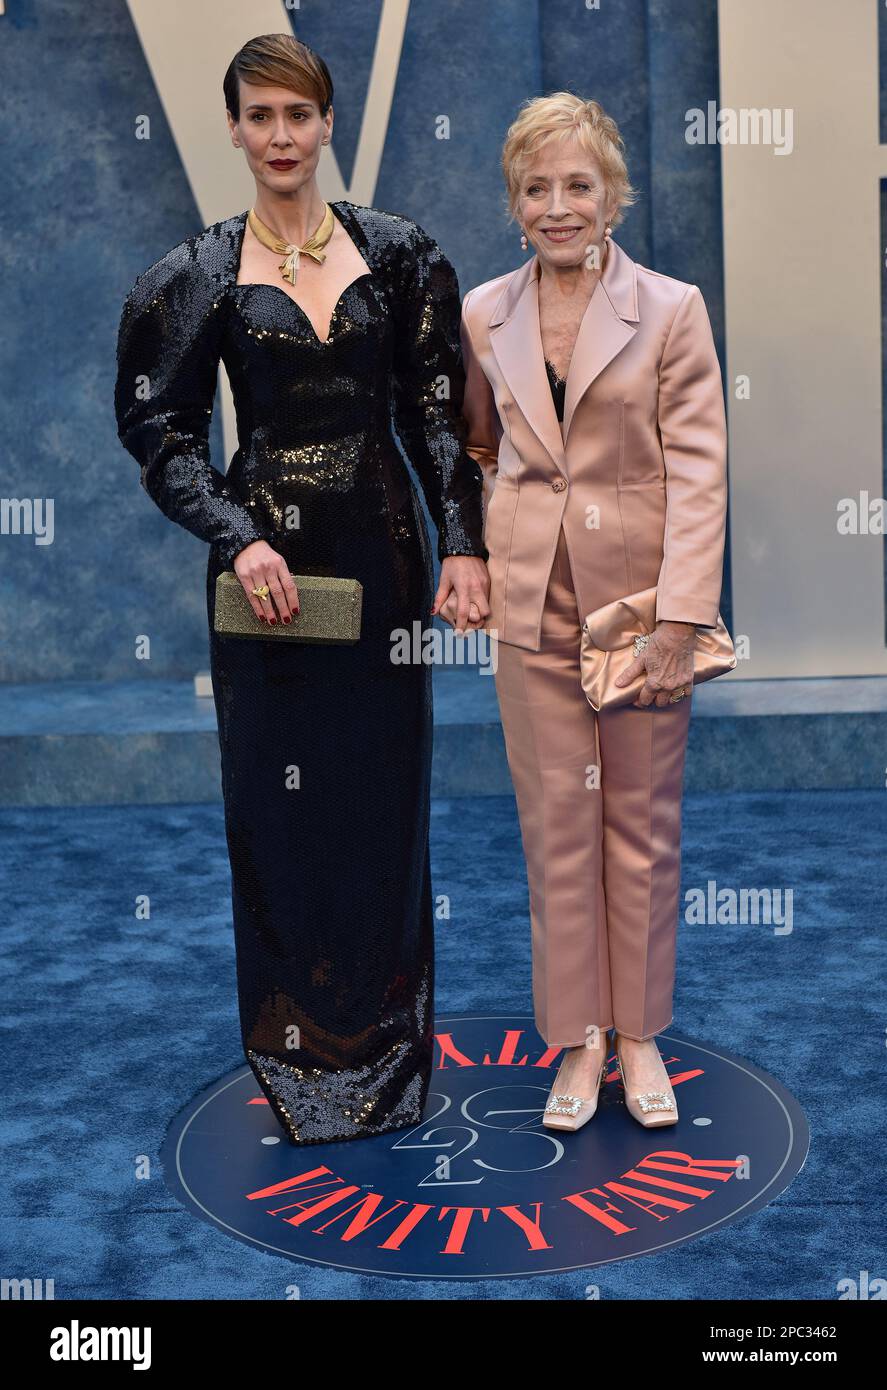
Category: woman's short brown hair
<point>278,60</point>
<point>557,117</point>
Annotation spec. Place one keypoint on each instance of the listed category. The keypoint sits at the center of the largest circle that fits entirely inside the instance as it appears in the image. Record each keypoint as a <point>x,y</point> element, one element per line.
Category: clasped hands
<point>668,662</point>
<point>463,593</point>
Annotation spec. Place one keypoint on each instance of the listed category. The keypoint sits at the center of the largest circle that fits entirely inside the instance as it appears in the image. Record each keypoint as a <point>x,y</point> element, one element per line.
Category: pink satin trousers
<point>599,801</point>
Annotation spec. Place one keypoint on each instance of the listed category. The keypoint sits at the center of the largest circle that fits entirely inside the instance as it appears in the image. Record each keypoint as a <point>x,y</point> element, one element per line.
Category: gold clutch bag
<point>614,635</point>
<point>330,610</point>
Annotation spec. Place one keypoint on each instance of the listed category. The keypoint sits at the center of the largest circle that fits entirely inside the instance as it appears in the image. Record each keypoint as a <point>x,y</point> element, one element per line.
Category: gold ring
<point>679,695</point>
<point>262,592</point>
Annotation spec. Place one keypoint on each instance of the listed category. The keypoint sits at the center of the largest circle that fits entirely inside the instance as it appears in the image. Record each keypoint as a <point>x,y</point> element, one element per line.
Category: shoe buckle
<point>564,1105</point>
<point>654,1100</point>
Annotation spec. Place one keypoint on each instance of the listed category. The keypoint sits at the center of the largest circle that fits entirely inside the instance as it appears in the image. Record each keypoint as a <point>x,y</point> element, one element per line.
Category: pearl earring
<point>524,244</point>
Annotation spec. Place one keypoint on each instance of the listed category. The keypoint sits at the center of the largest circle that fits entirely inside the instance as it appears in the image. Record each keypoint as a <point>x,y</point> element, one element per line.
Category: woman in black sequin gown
<point>325,750</point>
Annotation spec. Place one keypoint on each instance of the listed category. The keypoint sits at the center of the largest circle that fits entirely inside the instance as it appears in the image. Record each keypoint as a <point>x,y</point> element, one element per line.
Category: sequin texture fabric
<point>325,750</point>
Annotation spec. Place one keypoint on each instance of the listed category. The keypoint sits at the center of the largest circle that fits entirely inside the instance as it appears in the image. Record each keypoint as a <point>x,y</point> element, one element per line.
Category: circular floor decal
<point>480,1189</point>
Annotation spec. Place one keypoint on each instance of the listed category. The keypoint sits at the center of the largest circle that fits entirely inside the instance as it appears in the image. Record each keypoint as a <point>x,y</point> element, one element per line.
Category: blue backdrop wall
<point>86,208</point>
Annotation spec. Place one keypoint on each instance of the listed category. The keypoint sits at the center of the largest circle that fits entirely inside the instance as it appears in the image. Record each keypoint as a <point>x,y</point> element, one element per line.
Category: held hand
<point>462,597</point>
<point>668,662</point>
<point>259,564</point>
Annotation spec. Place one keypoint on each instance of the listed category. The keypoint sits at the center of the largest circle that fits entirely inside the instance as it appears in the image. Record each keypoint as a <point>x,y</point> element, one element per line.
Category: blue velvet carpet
<point>112,1024</point>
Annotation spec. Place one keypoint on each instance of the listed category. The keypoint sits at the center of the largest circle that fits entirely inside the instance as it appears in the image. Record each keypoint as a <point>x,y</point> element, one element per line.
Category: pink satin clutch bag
<point>614,635</point>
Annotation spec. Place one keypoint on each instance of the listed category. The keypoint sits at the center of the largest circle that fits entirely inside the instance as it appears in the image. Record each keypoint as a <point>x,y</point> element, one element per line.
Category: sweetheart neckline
<point>322,342</point>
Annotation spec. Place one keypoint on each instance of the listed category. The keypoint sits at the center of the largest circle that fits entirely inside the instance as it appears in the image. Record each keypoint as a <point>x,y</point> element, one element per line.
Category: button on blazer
<point>637,472</point>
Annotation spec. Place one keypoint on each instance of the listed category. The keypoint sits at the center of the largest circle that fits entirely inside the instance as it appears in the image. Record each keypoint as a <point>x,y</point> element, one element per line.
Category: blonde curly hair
<point>555,118</point>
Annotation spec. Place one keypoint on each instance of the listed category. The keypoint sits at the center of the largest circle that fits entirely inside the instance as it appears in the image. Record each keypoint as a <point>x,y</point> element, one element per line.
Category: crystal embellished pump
<point>650,1108</point>
<point>568,1112</point>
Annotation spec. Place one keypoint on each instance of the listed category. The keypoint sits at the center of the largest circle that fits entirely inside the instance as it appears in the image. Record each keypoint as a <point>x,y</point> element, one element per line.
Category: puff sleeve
<point>168,350</point>
<point>427,395</point>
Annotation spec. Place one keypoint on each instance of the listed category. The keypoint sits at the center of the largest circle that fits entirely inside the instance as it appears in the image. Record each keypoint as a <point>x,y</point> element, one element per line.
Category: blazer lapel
<point>609,322</point>
<point>517,345</point>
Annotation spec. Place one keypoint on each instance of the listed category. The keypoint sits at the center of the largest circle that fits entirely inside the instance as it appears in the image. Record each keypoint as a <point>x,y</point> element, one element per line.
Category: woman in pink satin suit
<point>594,405</point>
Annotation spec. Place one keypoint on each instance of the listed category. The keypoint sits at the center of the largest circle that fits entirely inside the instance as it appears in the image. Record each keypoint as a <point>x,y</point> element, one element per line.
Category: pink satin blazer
<point>637,473</point>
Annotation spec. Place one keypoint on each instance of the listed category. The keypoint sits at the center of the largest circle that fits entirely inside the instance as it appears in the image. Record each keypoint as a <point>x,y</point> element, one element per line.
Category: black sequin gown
<point>325,750</point>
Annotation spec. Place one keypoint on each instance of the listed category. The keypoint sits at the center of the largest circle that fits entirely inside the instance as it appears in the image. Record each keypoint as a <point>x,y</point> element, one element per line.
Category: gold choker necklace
<point>313,246</point>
